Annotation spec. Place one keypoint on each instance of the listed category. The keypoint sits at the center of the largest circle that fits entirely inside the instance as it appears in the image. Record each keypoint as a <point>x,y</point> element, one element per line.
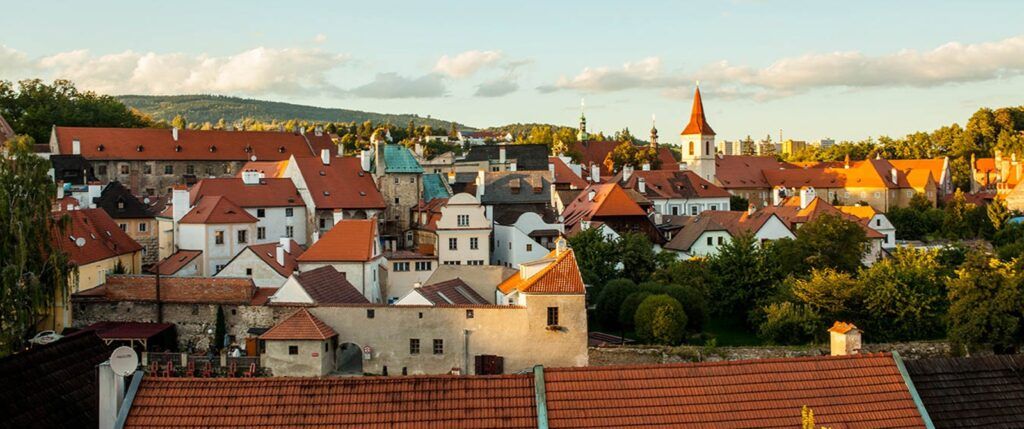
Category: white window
<point>423,266</point>
<point>463,220</point>
<point>261,233</point>
<point>289,231</point>
<point>142,227</point>
<point>401,266</point>
<point>474,243</point>
<point>453,244</point>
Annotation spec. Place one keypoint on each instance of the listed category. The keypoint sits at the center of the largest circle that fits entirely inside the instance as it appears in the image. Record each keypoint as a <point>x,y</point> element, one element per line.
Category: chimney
<point>641,185</point>
<point>501,154</point>
<point>627,172</point>
<point>174,133</point>
<point>595,173</point>
<point>846,161</point>
<point>280,255</point>
<point>95,191</point>
<point>364,160</point>
<point>807,195</point>
<point>286,244</point>
<point>339,215</point>
<point>319,131</point>
<point>512,167</point>
<point>76,147</point>
<point>560,246</point>
<point>418,148</point>
<point>682,166</point>
<point>111,395</point>
<point>341,149</point>
<point>451,177</point>
<point>893,174</point>
<point>481,183</point>
<point>845,339</point>
<point>325,156</point>
<point>551,169</point>
<point>751,208</point>
<point>251,177</point>
<point>378,157</point>
<point>60,190</point>
<point>591,195</point>
<point>646,167</point>
<point>302,130</point>
<point>658,218</point>
<point>778,193</point>
<point>180,201</point>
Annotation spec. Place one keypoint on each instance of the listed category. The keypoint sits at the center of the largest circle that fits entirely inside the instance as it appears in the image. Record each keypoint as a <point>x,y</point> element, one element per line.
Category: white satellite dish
<point>80,242</point>
<point>124,361</point>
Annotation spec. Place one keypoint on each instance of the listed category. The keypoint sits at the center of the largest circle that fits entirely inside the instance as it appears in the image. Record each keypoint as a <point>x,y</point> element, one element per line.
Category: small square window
<point>168,169</point>
<point>438,346</point>
<point>261,213</point>
<point>248,271</point>
<point>293,350</point>
<point>414,346</point>
<point>369,313</point>
<point>469,314</point>
<point>552,316</point>
<point>289,212</point>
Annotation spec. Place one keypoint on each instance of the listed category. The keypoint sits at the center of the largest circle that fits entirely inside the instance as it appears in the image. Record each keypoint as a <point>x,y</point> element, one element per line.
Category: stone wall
<point>632,355</point>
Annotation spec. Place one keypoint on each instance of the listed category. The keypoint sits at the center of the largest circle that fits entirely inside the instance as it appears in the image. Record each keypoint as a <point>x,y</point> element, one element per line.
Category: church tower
<point>654,133</point>
<point>581,135</point>
<point>698,142</point>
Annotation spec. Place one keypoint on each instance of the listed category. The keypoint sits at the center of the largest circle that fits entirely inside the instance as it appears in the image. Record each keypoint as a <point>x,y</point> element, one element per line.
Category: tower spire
<point>698,123</point>
<point>581,135</point>
<point>654,132</point>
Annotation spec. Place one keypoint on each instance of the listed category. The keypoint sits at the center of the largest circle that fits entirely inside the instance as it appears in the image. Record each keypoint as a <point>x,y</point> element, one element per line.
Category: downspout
<point>913,391</point>
<point>465,351</point>
<point>540,396</point>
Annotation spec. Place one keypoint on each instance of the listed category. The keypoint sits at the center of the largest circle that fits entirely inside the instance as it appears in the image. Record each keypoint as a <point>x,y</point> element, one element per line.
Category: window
<point>101,170</point>
<point>414,346</point>
<point>675,210</point>
<point>691,148</point>
<point>190,169</point>
<point>261,213</point>
<point>142,227</point>
<point>219,268</point>
<point>453,262</point>
<point>248,272</point>
<point>878,222</point>
<point>218,237</point>
<point>552,316</point>
<point>323,223</point>
<point>147,169</point>
<point>423,266</point>
<point>396,200</point>
<point>694,210</point>
<point>878,194</point>
<point>453,244</point>
<point>396,180</point>
<point>289,212</point>
<point>261,233</point>
<point>168,169</point>
<point>474,243</point>
<point>401,266</point>
<point>475,262</point>
<point>369,313</point>
<point>438,346</point>
<point>209,170</point>
<point>243,236</point>
<point>711,241</point>
<point>529,247</point>
<point>720,241</point>
<point>463,220</point>
<point>123,226</point>
<point>293,350</point>
<point>713,207</point>
<point>289,231</point>
<point>469,313</point>
<point>150,191</point>
<point>124,169</point>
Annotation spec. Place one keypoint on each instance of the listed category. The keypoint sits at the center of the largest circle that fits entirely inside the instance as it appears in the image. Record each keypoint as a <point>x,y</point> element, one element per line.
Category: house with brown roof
<point>796,211</point>
<point>134,215</point>
<point>743,175</point>
<point>875,182</point>
<point>320,286</point>
<point>150,161</point>
<point>674,192</point>
<point>275,202</point>
<point>608,206</point>
<point>450,292</point>
<point>268,264</point>
<point>353,247</point>
<point>300,345</point>
<point>334,188</point>
<point>703,235</point>
<point>875,220</point>
<point>216,227</point>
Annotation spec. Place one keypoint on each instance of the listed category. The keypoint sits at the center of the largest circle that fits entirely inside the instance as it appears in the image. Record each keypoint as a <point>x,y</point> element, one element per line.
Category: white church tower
<point>698,148</point>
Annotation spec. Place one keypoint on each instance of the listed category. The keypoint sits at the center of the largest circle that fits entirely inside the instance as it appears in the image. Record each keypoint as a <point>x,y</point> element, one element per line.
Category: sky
<point>812,69</point>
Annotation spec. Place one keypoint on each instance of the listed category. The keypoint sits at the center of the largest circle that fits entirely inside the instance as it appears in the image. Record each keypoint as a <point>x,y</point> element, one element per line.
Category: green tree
<point>738,203</point>
<point>955,224</point>
<point>831,294</point>
<point>595,255</point>
<point>660,319</point>
<point>34,107</point>
<point>830,241</point>
<point>694,303</point>
<point>610,299</point>
<point>33,269</point>
<point>985,304</point>
<point>904,296</point>
<point>997,213</point>
<point>740,277</point>
<point>627,310</point>
<point>789,323</point>
<point>636,254</point>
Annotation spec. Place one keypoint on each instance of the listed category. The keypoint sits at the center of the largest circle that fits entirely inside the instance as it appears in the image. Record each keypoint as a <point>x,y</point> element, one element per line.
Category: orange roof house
<point>301,325</point>
<point>609,204</point>
<point>557,274</point>
<point>217,210</point>
<point>349,240</point>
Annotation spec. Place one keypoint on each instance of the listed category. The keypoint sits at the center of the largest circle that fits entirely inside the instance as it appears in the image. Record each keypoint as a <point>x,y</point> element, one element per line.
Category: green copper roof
<point>433,187</point>
<point>399,159</point>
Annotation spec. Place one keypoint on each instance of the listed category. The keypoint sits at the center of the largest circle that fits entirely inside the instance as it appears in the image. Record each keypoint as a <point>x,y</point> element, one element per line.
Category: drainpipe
<point>465,351</point>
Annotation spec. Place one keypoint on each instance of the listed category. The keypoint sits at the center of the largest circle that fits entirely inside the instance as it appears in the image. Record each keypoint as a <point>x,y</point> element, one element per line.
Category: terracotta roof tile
<point>565,175</point>
<point>270,169</point>
<point>683,184</point>
<point>101,238</point>
<point>175,262</point>
<point>301,325</point>
<point>735,223</point>
<point>268,253</point>
<point>454,291</point>
<point>744,172</point>
<point>267,193</point>
<point>790,212</point>
<point>609,200</point>
<point>326,285</point>
<point>342,184</point>
<point>348,240</point>
<point>560,276</point>
<point>189,290</point>
<point>213,145</point>
<point>217,210</point>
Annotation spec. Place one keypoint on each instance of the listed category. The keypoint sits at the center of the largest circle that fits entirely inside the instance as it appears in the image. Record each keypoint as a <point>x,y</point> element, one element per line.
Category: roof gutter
<point>540,397</point>
<point>913,391</point>
<point>129,397</point>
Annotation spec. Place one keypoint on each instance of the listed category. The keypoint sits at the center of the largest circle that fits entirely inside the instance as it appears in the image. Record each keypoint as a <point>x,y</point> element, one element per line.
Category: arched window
<point>691,148</point>
<point>707,148</point>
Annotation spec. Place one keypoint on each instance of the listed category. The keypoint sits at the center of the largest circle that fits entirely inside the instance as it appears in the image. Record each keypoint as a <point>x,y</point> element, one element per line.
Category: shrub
<point>789,323</point>
<point>694,305</point>
<point>628,309</point>
<point>610,300</point>
<point>660,319</point>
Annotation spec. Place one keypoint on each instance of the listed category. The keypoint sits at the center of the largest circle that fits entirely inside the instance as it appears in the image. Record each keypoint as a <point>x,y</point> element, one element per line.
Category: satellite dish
<point>80,242</point>
<point>124,361</point>
<point>145,200</point>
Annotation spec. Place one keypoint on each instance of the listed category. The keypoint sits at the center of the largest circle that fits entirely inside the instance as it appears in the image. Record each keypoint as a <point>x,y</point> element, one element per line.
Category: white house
<point>704,235</point>
<point>275,202</point>
<point>463,232</point>
<point>451,292</point>
<point>215,226</point>
<point>674,192</point>
<point>268,265</point>
<point>528,239</point>
<point>352,247</point>
<point>874,219</point>
<point>323,285</point>
<point>405,270</point>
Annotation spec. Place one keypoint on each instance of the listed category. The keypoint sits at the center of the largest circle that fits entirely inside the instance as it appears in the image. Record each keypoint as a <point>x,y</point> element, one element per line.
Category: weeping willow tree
<point>33,272</point>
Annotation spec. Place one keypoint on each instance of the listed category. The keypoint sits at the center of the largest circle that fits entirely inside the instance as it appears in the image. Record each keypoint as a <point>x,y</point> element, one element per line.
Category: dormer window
<point>213,148</point>
<point>280,149</point>
<point>99,148</point>
<point>177,148</point>
<point>138,148</point>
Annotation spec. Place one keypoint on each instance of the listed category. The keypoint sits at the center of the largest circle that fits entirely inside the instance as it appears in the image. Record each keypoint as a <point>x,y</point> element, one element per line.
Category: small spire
<point>654,132</point>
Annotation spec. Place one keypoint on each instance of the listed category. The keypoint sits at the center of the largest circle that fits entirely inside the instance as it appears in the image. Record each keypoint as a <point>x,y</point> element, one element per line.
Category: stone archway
<point>350,359</point>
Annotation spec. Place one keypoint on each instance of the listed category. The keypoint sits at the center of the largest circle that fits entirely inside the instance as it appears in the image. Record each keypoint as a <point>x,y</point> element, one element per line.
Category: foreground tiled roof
<point>862,391</point>
<point>101,238</point>
<point>188,290</point>
<point>971,392</point>
<point>301,325</point>
<point>342,184</point>
<point>217,210</point>
<point>267,193</point>
<point>53,385</point>
<point>560,276</point>
<point>454,291</point>
<point>213,145</point>
<point>347,240</point>
<point>326,285</point>
<point>175,262</point>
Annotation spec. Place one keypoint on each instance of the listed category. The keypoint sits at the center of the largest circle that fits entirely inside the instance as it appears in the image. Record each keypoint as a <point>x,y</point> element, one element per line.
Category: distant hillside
<point>210,108</point>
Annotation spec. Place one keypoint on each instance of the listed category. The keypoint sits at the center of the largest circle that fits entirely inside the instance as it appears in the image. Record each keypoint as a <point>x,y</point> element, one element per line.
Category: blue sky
<point>812,69</point>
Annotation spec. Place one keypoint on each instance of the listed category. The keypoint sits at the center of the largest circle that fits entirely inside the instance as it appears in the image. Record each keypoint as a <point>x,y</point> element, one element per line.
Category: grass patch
<point>731,333</point>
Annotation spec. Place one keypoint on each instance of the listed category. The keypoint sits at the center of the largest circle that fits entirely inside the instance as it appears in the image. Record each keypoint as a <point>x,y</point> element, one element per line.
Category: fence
<point>166,364</point>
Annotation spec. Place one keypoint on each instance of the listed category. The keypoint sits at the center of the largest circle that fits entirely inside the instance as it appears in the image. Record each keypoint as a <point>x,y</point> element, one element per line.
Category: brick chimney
<point>844,339</point>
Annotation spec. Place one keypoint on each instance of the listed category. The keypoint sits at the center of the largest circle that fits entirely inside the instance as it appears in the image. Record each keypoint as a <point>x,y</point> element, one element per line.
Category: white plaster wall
<point>276,223</point>
<point>263,275</point>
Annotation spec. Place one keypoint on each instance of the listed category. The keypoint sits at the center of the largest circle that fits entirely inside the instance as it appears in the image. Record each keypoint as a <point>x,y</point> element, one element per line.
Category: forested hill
<point>211,108</point>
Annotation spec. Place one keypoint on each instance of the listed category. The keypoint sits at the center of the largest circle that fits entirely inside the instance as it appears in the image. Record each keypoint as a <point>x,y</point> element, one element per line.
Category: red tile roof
<point>217,210</point>
<point>560,276</point>
<point>267,193</point>
<point>270,169</point>
<point>937,166</point>
<point>665,184</point>
<point>101,238</point>
<point>186,290</point>
<point>301,325</point>
<point>326,285</point>
<point>609,200</point>
<point>564,175</point>
<point>176,261</point>
<point>698,123</point>
<point>875,173</point>
<point>268,253</point>
<point>427,214</point>
<point>791,214</point>
<point>340,185</point>
<point>735,223</point>
<point>212,145</point>
<point>348,240</point>
<point>743,171</point>
<point>454,291</point>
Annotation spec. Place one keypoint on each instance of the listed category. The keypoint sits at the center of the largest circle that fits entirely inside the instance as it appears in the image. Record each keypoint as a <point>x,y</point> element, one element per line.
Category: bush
<point>660,319</point>
<point>609,302</point>
<point>627,310</point>
<point>694,305</point>
<point>789,323</point>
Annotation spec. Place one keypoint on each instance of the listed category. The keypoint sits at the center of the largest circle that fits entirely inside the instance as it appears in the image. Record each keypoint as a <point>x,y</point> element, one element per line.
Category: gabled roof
<point>342,184</point>
<point>397,159</point>
<point>268,253</point>
<point>735,223</point>
<point>560,276</point>
<point>454,291</point>
<point>565,176</point>
<point>745,171</point>
<point>864,212</point>
<point>213,145</point>
<point>609,200</point>
<point>937,166</point>
<point>790,212</point>
<point>698,123</point>
<point>175,262</point>
<point>266,193</point>
<point>184,290</point>
<point>434,187</point>
<point>349,240</point>
<point>326,285</point>
<point>678,184</point>
<point>119,202</point>
<point>875,173</point>
<point>270,169</point>
<point>100,237</point>
<point>528,157</point>
<point>301,325</point>
<point>53,385</point>
<point>971,392</point>
<point>516,187</point>
<point>217,210</point>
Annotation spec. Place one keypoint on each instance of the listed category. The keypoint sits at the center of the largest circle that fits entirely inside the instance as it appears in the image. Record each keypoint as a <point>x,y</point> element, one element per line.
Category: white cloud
<point>13,61</point>
<point>320,38</point>
<point>645,73</point>
<point>497,87</point>
<point>392,85</point>
<point>467,63</point>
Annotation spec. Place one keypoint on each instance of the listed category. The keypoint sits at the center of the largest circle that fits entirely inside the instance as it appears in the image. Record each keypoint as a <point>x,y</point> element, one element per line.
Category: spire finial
<point>698,83</point>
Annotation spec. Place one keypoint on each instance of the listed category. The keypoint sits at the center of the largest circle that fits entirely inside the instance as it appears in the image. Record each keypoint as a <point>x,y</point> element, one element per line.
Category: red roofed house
<point>674,192</point>
<point>608,206</point>
<point>796,211</point>
<point>218,228</point>
<point>333,188</point>
<point>275,202</point>
<point>320,286</point>
<point>150,161</point>
<point>743,175</point>
<point>268,264</point>
<point>703,235</point>
<point>353,247</point>
<point>96,246</point>
<point>301,345</point>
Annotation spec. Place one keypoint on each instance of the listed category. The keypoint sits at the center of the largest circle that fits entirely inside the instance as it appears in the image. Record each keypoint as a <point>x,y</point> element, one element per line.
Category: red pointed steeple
<point>698,123</point>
